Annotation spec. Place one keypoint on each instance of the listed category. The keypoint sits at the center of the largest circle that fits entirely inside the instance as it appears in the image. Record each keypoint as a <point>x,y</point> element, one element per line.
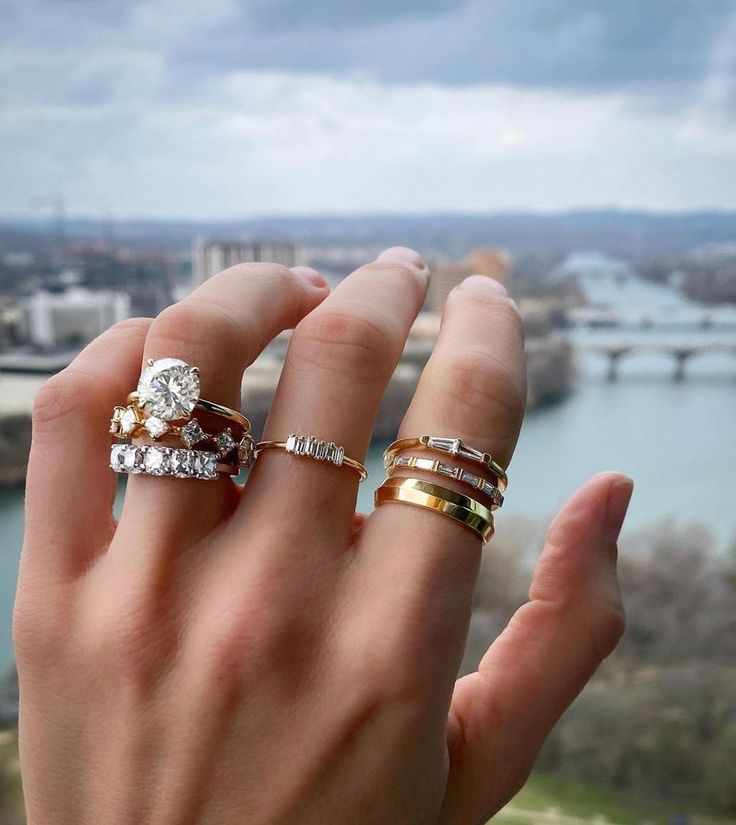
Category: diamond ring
<point>319,450</point>
<point>155,460</point>
<point>450,471</point>
<point>166,396</point>
<point>455,447</point>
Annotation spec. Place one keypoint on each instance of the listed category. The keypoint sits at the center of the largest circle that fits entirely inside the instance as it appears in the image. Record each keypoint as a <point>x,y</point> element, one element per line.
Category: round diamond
<point>169,388</point>
<point>117,457</point>
<point>133,461</point>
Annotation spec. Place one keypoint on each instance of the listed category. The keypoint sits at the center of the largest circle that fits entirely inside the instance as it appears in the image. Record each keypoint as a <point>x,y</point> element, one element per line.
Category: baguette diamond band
<point>318,449</point>
<point>451,471</point>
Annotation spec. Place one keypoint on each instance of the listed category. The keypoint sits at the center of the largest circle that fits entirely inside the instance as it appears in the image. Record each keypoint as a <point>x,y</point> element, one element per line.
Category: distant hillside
<point>611,231</point>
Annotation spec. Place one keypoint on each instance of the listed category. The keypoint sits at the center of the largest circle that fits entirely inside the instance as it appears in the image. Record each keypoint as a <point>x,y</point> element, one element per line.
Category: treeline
<point>659,718</point>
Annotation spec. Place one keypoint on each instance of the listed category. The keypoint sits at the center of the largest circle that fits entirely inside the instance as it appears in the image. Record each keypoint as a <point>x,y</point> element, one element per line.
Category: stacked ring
<point>162,406</point>
<point>463,509</point>
<point>455,447</point>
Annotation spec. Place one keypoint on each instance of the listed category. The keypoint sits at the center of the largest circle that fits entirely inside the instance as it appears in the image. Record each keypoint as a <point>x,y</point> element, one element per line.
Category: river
<point>676,438</point>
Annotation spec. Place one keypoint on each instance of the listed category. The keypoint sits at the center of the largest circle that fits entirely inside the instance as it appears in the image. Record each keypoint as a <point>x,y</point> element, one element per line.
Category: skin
<point>268,656</point>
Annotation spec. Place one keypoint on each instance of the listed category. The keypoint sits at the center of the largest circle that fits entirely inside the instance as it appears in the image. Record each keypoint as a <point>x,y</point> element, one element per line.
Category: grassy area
<point>583,801</point>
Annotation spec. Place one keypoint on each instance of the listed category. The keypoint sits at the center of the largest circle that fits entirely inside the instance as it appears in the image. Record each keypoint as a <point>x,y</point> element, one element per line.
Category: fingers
<point>501,714</point>
<point>337,367</point>
<point>472,387</point>
<point>220,328</point>
<point>70,488</point>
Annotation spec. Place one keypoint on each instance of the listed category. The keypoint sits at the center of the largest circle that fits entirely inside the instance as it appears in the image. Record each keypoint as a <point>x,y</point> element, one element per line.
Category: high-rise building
<point>210,256</point>
<point>494,263</point>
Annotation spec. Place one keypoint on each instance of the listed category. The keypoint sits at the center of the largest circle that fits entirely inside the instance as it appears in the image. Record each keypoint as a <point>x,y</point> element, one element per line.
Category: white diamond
<point>321,451</point>
<point>182,463</point>
<point>205,465</point>
<point>339,456</point>
<point>157,461</point>
<point>117,457</point>
<point>128,421</point>
<point>192,433</point>
<point>156,426</point>
<point>169,388</point>
<point>225,442</point>
<point>133,461</point>
<point>291,443</point>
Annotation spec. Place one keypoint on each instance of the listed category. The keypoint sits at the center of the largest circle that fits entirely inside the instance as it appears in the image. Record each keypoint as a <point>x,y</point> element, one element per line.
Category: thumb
<point>501,714</point>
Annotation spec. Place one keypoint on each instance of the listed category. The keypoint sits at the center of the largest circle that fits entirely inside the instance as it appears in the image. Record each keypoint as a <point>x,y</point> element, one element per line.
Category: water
<point>676,439</point>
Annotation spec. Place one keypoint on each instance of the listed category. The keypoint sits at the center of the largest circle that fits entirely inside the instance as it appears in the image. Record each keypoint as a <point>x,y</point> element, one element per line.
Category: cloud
<point>229,108</point>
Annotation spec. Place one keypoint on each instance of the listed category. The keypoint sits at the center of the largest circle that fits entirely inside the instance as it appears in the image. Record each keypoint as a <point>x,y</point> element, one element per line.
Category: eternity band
<point>455,447</point>
<point>154,460</point>
<point>462,509</point>
<point>458,473</point>
<point>318,449</point>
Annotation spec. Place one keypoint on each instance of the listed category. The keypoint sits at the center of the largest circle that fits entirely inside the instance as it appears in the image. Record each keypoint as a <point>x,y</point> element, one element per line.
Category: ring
<point>168,392</point>
<point>312,447</point>
<point>155,460</point>
<point>454,446</point>
<point>458,473</point>
<point>462,509</point>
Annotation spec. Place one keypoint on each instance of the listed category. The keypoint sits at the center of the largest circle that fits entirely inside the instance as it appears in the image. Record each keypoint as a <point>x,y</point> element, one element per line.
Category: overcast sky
<point>227,108</point>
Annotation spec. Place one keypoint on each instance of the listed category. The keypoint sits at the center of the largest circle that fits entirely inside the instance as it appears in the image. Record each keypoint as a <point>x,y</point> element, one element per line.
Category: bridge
<point>680,349</point>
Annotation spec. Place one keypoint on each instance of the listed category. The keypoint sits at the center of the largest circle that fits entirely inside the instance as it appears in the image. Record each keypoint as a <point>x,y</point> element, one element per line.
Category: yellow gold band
<point>462,509</point>
<point>453,446</point>
<point>209,407</point>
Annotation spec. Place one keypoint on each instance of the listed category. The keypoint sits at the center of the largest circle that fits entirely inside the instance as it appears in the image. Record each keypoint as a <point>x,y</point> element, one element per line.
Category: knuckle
<point>345,342</point>
<point>605,632</point>
<point>478,382</point>
<point>58,400</point>
<point>135,328</point>
<point>186,326</point>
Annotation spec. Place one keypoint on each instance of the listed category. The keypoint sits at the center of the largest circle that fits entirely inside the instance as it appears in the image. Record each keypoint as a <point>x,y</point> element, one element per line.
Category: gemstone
<point>192,433</point>
<point>182,464</point>
<point>321,451</point>
<point>291,443</point>
<point>128,421</point>
<point>115,420</point>
<point>158,461</point>
<point>225,443</point>
<point>339,456</point>
<point>205,465</point>
<point>246,451</point>
<point>117,457</point>
<point>156,426</point>
<point>169,388</point>
<point>133,461</point>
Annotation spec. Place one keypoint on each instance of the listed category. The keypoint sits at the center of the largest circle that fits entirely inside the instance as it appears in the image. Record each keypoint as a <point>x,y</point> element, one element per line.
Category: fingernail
<point>619,497</point>
<point>310,275</point>
<point>483,281</point>
<point>404,255</point>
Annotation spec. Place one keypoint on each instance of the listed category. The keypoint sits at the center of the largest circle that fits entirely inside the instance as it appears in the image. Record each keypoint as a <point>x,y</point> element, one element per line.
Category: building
<point>72,318</point>
<point>210,256</point>
<point>494,263</point>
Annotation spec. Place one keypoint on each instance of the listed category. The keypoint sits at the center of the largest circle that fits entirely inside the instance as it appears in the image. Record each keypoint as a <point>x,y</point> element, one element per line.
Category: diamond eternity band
<point>155,460</point>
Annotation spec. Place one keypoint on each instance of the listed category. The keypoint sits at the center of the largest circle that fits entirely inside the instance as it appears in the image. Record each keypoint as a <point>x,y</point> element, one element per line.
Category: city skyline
<point>237,109</point>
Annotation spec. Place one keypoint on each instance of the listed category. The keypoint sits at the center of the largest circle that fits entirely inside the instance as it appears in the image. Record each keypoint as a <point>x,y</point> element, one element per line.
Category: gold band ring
<point>462,509</point>
<point>312,447</point>
<point>453,446</point>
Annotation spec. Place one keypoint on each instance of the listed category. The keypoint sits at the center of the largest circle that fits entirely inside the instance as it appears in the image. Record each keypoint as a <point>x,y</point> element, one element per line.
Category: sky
<point>234,108</point>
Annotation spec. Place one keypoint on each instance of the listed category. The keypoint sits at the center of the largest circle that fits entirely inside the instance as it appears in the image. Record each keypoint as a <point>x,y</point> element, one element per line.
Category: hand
<point>269,657</point>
